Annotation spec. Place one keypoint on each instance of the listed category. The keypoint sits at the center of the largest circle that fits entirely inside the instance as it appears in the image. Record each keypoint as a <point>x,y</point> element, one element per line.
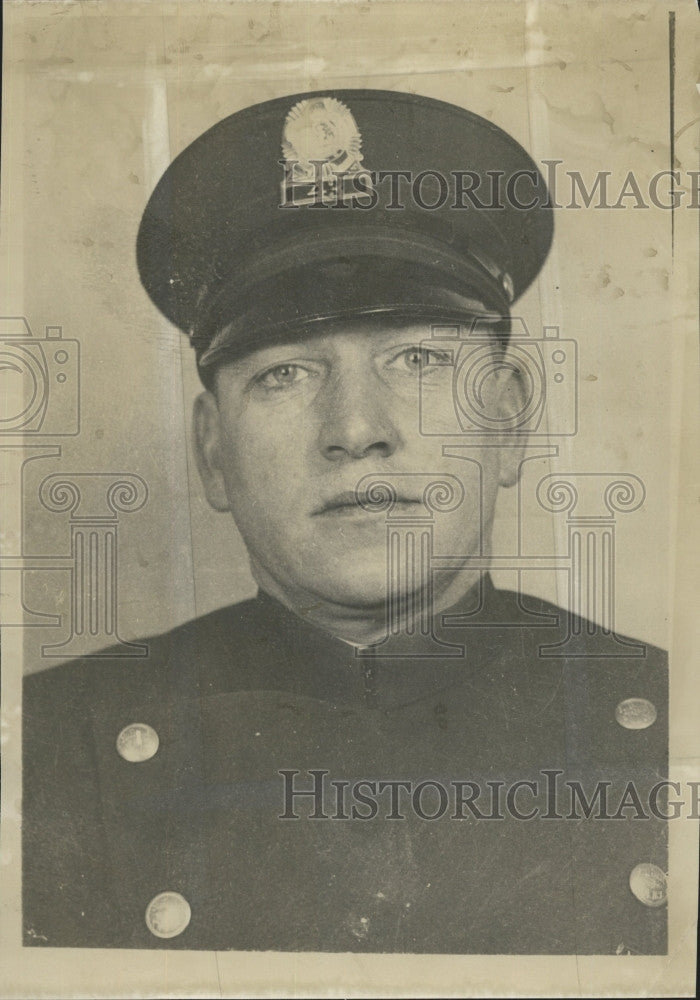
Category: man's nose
<point>355,419</point>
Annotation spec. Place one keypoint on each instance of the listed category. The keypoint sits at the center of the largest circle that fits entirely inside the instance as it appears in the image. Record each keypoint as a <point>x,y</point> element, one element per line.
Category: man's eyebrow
<point>249,363</point>
<point>270,353</point>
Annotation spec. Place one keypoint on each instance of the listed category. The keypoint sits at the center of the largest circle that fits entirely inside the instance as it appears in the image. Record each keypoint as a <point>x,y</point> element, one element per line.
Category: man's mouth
<point>348,502</point>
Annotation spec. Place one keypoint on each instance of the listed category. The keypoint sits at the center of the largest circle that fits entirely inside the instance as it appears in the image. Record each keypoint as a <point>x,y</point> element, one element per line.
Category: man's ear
<point>511,403</point>
<point>207,447</point>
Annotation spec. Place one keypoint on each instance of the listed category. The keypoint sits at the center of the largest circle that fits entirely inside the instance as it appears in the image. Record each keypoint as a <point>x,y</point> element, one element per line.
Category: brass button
<point>168,914</point>
<point>648,883</point>
<point>137,742</point>
<point>635,713</point>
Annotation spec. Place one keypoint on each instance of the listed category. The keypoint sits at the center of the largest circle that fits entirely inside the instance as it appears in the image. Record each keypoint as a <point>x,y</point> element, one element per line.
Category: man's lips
<point>348,502</point>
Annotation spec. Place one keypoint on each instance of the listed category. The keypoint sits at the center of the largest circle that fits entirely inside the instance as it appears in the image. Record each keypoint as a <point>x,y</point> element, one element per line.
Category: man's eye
<point>282,376</point>
<point>416,359</point>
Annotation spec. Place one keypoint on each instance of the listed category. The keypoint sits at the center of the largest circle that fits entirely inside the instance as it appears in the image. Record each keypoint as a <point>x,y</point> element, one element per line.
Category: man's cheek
<point>439,413</point>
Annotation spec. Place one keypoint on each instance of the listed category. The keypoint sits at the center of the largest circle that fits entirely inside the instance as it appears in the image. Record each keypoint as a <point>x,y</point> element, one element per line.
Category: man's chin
<point>362,586</point>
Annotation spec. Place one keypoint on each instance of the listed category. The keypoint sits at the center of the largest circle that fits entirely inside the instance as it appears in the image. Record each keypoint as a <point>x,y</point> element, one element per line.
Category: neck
<point>362,625</point>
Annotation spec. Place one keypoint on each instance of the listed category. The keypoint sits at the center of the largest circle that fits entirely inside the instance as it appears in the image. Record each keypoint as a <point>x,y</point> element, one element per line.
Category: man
<point>366,756</point>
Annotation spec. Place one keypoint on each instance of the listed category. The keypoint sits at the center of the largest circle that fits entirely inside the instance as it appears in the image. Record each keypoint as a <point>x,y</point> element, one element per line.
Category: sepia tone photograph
<point>350,460</point>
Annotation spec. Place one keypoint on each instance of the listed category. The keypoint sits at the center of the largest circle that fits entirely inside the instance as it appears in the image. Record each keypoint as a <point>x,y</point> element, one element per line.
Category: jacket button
<point>648,883</point>
<point>168,914</point>
<point>137,742</point>
<point>635,713</point>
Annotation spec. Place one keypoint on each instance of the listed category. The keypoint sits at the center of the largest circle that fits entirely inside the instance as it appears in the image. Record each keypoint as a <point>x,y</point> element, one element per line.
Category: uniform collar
<point>307,661</point>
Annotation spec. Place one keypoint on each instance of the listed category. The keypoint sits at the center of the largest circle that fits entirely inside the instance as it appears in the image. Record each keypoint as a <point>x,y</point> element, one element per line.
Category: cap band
<point>335,278</point>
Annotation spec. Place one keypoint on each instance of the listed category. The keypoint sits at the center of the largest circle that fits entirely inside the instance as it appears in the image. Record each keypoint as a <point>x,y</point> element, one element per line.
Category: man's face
<point>290,431</point>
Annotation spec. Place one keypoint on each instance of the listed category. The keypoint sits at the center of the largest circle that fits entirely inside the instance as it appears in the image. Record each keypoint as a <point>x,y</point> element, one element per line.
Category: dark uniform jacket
<point>250,691</point>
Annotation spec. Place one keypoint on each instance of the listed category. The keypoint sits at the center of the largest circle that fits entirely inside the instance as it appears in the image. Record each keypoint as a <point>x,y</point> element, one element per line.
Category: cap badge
<point>321,148</point>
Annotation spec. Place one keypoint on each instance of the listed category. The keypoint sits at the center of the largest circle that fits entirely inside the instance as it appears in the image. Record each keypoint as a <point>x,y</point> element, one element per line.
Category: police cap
<point>336,204</point>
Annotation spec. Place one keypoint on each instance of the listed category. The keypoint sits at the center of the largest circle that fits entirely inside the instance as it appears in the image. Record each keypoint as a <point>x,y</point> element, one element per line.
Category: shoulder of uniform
<point>601,675</point>
<point>540,613</point>
<point>609,690</point>
<point>223,634</point>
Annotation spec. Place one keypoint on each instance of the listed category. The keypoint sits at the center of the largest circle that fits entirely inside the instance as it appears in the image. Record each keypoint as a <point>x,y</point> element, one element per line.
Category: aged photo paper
<point>352,652</point>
